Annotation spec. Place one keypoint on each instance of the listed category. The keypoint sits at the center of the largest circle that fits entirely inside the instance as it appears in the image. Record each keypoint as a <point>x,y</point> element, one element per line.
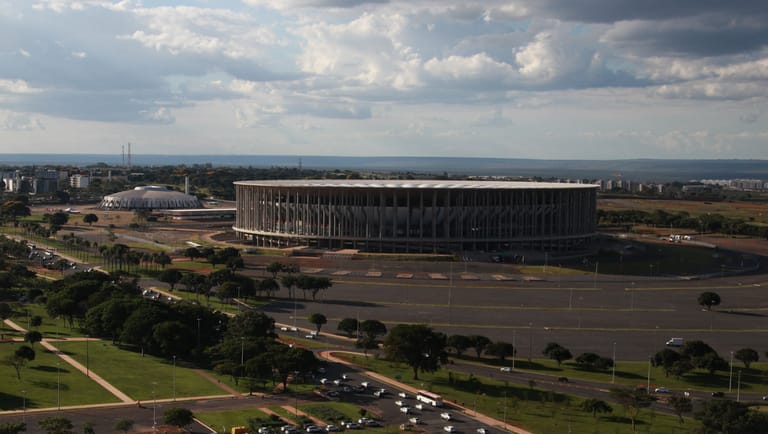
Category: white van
<point>675,342</point>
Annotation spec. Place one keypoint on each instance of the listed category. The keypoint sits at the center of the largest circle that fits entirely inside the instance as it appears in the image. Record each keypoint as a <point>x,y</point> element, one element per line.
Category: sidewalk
<point>468,413</point>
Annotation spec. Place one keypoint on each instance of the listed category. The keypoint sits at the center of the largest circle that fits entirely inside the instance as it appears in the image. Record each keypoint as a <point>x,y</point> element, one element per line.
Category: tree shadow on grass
<point>46,368</point>
<point>622,420</point>
<point>50,385</point>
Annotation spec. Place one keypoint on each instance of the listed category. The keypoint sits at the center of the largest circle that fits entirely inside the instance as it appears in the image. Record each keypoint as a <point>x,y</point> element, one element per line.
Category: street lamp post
<point>198,331</point>
<point>174,378</point>
<point>242,350</point>
<point>87,354</point>
<point>530,341</point>
<point>154,406</point>
<point>648,385</point>
<point>514,348</point>
<point>613,371</point>
<point>738,388</point>
<point>24,406</point>
<point>730,375</point>
<point>58,385</point>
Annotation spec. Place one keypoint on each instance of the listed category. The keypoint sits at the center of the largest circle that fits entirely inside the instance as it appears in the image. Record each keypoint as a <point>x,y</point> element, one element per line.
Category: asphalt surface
<point>639,315</point>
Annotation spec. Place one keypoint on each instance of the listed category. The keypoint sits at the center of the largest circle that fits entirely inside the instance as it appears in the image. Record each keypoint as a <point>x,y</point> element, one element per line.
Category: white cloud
<point>17,87</point>
<point>11,121</point>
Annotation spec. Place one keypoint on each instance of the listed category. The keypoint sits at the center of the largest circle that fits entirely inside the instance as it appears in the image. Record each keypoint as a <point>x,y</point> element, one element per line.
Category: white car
<point>419,406</point>
<point>449,428</point>
<point>365,384</point>
<point>309,336</point>
<point>414,420</point>
<point>283,329</point>
<point>482,430</point>
<point>399,403</point>
<point>446,416</point>
<point>405,410</point>
<point>402,395</point>
<point>505,369</point>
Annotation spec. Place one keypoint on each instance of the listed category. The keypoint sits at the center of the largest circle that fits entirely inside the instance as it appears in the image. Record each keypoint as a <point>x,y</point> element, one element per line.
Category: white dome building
<point>149,197</point>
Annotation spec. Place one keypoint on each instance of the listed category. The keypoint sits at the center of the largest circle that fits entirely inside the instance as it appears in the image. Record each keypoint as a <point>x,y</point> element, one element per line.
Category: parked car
<point>402,395</point>
<point>419,406</point>
<point>482,430</point>
<point>333,428</point>
<point>721,394</point>
<point>414,420</point>
<point>405,410</point>
<point>399,403</point>
<point>313,429</point>
<point>353,425</point>
<point>446,416</point>
<point>449,428</point>
<point>505,369</point>
<point>661,390</point>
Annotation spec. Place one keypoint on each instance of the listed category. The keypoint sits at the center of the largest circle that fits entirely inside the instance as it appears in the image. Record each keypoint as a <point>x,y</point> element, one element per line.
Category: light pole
<point>87,370</point>
<point>58,385</point>
<point>738,388</point>
<point>648,385</point>
<point>730,376</point>
<point>174,378</point>
<point>613,371</point>
<point>154,407</point>
<point>24,406</point>
<point>198,331</point>
<point>530,341</point>
<point>595,279</point>
<point>514,348</point>
<point>242,350</point>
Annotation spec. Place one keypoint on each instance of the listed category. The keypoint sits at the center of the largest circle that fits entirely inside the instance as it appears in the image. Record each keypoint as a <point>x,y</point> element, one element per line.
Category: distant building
<point>748,184</point>
<point>79,181</point>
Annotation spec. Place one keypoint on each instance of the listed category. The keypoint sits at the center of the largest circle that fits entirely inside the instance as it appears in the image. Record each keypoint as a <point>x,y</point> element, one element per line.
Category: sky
<point>542,79</point>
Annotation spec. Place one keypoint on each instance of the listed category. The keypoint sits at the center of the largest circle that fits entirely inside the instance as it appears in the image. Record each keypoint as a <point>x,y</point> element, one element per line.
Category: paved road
<point>639,315</point>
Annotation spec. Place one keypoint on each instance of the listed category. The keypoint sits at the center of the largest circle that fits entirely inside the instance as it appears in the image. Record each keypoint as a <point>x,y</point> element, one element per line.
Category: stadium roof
<point>412,184</point>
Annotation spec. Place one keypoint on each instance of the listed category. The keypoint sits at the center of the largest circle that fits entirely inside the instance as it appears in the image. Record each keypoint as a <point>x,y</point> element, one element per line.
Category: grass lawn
<point>137,376</point>
<point>230,418</point>
<point>634,373</point>
<point>50,328</point>
<point>537,410</point>
<point>44,382</point>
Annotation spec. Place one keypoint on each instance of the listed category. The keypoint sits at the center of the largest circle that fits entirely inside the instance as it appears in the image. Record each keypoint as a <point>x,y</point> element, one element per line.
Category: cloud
<point>11,121</point>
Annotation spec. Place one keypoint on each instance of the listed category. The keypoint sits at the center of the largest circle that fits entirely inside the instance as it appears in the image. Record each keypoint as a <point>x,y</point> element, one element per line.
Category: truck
<point>675,342</point>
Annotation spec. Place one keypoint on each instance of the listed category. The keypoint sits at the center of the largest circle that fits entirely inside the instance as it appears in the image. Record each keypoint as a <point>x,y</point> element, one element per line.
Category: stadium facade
<point>417,216</point>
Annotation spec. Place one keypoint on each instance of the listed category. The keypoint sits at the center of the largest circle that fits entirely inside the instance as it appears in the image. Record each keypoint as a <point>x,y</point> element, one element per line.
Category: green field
<point>48,382</point>
<point>140,376</point>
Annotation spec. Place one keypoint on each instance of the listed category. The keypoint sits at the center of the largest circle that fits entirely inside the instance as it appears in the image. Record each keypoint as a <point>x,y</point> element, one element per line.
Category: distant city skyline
<point>538,79</point>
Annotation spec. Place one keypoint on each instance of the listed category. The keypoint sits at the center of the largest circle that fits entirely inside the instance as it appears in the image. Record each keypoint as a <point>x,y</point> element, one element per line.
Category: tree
<point>479,343</point>
<point>348,326</point>
<point>594,406</point>
<point>557,352</point>
<point>373,329</point>
<point>746,356</point>
<point>318,319</point>
<point>680,405</point>
<point>171,276</point>
<point>162,259</point>
<point>274,268</point>
<point>13,428</point>
<point>33,336</point>
<point>593,361</point>
<point>633,401</point>
<point>90,219</point>
<point>666,358</point>
<point>124,425</point>
<point>709,299</point>
<point>178,416</point>
<point>269,286</point>
<point>20,358</point>
<point>459,343</point>
<point>417,345</point>
<point>192,253</point>
<point>730,417</point>
<point>55,425</point>
<point>500,349</point>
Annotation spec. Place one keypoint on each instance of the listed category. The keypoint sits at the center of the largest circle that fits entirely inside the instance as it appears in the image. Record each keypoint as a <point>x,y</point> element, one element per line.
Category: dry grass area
<point>748,211</point>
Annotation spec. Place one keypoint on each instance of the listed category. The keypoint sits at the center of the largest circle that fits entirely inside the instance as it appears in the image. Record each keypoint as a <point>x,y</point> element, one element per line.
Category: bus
<point>430,398</point>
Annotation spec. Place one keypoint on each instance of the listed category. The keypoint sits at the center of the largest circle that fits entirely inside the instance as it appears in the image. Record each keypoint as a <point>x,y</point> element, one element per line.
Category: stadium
<point>149,197</point>
<point>417,216</point>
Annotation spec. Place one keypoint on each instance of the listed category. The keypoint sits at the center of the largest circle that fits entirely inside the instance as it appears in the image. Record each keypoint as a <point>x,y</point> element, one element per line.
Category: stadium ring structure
<point>149,197</point>
<point>417,216</point>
